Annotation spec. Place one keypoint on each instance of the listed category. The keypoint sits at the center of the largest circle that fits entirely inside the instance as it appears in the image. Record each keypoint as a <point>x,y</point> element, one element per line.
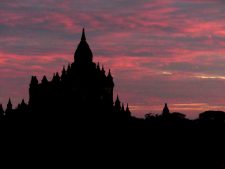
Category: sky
<point>170,51</point>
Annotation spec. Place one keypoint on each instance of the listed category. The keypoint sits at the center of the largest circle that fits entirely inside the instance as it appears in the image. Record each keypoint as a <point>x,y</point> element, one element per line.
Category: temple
<point>82,89</point>
<point>166,110</point>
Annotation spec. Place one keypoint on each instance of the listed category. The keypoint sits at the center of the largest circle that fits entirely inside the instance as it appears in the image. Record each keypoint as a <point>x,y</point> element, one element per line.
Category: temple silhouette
<point>83,90</point>
<point>77,105</point>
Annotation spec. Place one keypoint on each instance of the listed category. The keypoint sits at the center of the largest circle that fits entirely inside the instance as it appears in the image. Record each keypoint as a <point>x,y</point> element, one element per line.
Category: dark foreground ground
<point>88,143</point>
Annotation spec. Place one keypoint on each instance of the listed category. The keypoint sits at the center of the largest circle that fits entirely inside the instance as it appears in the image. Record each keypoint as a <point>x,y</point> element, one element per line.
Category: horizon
<point>158,52</point>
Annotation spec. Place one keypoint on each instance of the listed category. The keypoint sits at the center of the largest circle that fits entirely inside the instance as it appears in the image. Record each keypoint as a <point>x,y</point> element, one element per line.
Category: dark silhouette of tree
<point>217,116</point>
<point>177,116</point>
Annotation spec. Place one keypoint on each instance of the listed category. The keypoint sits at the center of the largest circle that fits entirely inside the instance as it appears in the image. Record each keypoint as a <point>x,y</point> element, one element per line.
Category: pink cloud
<point>157,51</point>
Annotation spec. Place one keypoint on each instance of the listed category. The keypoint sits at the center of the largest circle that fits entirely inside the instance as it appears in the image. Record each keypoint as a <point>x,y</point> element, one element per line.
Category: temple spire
<point>83,54</point>
<point>9,105</point>
<point>166,110</point>
<point>83,37</point>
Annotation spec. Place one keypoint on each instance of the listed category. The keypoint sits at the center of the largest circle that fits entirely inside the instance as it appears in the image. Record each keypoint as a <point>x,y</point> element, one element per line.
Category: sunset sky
<point>158,51</point>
